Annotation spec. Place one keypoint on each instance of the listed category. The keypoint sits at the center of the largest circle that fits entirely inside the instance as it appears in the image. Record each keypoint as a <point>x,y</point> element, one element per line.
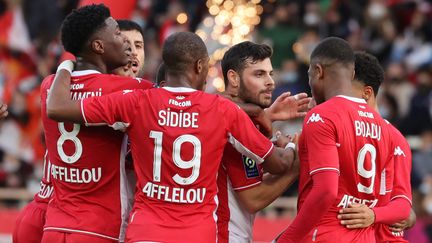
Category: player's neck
<point>233,94</point>
<point>338,88</point>
<point>84,64</point>
<point>178,81</point>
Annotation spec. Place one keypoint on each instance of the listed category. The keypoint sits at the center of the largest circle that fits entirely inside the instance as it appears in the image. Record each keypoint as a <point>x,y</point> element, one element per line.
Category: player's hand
<point>3,111</point>
<point>404,224</point>
<point>312,104</point>
<point>356,216</point>
<point>288,107</point>
<point>264,124</point>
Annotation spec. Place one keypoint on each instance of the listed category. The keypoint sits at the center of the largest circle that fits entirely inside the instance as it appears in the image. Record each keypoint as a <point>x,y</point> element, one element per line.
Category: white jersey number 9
<point>194,163</point>
<point>363,172</point>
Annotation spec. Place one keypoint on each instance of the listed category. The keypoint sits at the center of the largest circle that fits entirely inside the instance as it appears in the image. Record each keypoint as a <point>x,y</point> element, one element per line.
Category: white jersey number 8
<point>72,136</point>
<point>361,170</point>
<point>194,163</point>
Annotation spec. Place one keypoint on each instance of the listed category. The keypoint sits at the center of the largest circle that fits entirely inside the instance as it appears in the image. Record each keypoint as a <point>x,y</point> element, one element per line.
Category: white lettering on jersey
<point>315,118</point>
<point>180,103</point>
<point>398,234</point>
<point>366,114</point>
<point>366,129</point>
<point>398,152</point>
<point>126,91</point>
<point>76,86</point>
<point>75,175</point>
<point>174,194</point>
<point>178,119</point>
<point>348,199</point>
<point>45,190</point>
<point>83,95</point>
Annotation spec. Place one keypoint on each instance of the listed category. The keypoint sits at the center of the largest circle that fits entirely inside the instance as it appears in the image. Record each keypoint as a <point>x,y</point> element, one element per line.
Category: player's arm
<point>59,105</point>
<point>271,187</point>
<point>405,224</point>
<point>288,106</point>
<point>320,198</point>
<point>3,111</point>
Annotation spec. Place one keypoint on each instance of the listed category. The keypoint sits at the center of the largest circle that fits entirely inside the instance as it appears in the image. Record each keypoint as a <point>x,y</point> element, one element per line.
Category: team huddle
<point>132,161</point>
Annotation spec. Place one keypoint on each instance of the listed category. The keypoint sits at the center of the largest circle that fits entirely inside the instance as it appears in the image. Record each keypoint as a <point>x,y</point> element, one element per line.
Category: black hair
<point>242,54</point>
<point>181,50</point>
<point>79,26</point>
<point>333,49</point>
<point>160,75</point>
<point>368,70</point>
<point>126,25</point>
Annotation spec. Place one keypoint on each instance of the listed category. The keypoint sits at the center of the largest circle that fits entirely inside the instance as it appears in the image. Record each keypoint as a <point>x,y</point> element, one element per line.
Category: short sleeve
<point>242,171</point>
<point>244,136</point>
<point>319,133</point>
<point>116,110</point>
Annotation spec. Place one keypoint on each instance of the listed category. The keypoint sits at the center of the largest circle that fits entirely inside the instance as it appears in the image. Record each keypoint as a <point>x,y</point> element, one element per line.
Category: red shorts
<point>339,235</point>
<point>141,229</point>
<point>30,223</point>
<point>63,237</point>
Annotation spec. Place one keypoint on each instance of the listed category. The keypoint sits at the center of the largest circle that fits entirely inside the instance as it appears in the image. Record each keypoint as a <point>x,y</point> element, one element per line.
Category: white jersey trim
<point>79,231</point>
<point>244,187</point>
<point>84,72</point>
<point>324,168</point>
<point>125,191</point>
<point>354,99</point>
<point>402,196</point>
<point>245,151</point>
<point>179,89</point>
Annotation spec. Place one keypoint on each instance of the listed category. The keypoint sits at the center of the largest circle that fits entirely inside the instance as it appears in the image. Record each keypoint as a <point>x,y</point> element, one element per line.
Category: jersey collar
<point>179,89</point>
<point>84,72</point>
<point>354,99</point>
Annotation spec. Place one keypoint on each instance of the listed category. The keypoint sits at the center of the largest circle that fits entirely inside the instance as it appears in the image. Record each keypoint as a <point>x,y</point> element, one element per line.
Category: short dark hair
<point>79,26</point>
<point>368,70</point>
<point>239,55</point>
<point>160,75</point>
<point>182,49</point>
<point>126,25</point>
<point>333,49</point>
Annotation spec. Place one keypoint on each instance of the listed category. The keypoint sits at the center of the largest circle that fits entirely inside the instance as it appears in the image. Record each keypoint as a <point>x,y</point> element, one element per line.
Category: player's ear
<point>199,65</point>
<point>233,78</point>
<point>319,70</point>
<point>97,46</point>
<point>367,92</point>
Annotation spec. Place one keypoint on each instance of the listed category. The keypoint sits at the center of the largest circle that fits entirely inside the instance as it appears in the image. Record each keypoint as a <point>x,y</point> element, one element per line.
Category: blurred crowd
<point>398,32</point>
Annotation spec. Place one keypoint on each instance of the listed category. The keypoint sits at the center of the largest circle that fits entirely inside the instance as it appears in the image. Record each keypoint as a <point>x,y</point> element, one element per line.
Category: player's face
<point>135,67</point>
<point>136,42</point>
<point>115,47</point>
<point>315,84</point>
<point>257,84</point>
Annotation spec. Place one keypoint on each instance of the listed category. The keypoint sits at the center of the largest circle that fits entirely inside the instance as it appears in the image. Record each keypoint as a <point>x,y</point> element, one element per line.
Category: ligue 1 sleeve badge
<point>250,167</point>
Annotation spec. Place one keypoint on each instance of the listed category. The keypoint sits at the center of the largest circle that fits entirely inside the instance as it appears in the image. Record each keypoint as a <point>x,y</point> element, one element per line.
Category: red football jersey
<point>400,176</point>
<point>46,189</point>
<point>86,164</point>
<point>237,172</point>
<point>345,135</point>
<point>177,139</point>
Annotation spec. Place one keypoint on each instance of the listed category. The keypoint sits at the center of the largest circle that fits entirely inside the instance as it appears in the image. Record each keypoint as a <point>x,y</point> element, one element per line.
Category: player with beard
<point>242,189</point>
<point>186,131</point>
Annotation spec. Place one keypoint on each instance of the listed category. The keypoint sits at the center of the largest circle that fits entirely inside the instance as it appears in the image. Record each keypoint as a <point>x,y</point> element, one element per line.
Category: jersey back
<point>346,136</point>
<point>86,164</point>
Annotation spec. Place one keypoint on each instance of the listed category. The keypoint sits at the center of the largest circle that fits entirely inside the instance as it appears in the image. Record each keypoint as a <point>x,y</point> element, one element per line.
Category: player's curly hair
<point>79,25</point>
<point>368,70</point>
<point>242,54</point>
<point>333,49</point>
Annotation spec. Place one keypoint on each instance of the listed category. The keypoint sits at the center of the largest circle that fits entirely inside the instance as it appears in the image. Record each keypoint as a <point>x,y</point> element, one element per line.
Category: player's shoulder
<point>47,81</point>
